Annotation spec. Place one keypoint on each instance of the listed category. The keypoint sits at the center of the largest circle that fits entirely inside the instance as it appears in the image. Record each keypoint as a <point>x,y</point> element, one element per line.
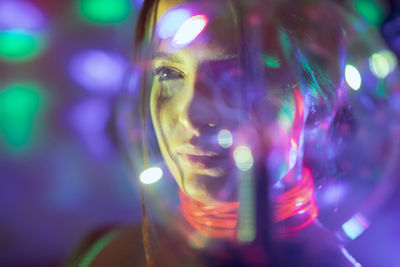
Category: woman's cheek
<point>169,120</point>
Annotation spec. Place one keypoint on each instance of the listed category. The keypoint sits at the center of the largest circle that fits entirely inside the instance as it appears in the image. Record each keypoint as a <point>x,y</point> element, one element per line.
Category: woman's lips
<point>203,162</point>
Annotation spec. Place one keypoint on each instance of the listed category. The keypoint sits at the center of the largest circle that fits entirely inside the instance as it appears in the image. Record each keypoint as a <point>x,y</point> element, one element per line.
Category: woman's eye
<point>166,74</point>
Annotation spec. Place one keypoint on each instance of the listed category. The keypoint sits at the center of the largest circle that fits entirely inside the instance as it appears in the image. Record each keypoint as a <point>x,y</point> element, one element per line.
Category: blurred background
<point>62,64</point>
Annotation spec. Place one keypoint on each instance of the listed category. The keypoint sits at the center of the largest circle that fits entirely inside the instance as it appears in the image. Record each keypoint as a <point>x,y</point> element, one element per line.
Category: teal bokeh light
<point>20,105</point>
<point>20,46</point>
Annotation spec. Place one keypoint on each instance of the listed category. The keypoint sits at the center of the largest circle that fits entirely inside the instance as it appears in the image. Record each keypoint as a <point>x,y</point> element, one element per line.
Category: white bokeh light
<point>151,175</point>
<point>353,77</point>
<point>243,158</point>
<point>189,31</point>
<point>225,138</point>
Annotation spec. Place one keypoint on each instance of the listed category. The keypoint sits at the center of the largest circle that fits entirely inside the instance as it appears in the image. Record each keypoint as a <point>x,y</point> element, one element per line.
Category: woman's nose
<point>202,110</point>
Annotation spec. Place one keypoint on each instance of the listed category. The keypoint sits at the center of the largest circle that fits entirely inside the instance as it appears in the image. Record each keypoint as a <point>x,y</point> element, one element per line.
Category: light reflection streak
<point>355,226</point>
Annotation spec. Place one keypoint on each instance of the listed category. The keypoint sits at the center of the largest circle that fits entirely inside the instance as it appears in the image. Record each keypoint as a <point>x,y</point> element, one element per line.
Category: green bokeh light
<point>270,61</point>
<point>19,46</point>
<point>19,106</point>
<point>373,12</point>
<point>105,11</point>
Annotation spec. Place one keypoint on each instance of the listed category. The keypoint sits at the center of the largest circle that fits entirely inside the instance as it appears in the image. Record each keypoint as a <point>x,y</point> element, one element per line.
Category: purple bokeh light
<point>89,119</point>
<point>17,14</point>
<point>98,71</point>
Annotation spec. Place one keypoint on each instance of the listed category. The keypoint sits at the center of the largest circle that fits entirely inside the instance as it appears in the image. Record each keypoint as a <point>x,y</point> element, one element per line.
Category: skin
<point>188,111</point>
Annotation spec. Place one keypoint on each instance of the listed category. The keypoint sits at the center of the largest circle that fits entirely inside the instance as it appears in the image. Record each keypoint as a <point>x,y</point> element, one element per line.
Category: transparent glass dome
<point>253,120</point>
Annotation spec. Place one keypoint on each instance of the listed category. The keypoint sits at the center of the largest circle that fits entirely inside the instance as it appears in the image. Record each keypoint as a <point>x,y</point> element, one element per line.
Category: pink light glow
<point>189,31</point>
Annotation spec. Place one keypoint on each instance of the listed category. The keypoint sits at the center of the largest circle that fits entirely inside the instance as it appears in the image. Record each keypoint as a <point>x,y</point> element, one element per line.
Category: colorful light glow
<point>286,117</point>
<point>20,15</point>
<point>390,58</point>
<point>334,193</point>
<point>105,11</point>
<point>218,220</point>
<point>225,138</point>
<point>243,158</point>
<point>379,66</point>
<point>97,248</point>
<point>353,77</point>
<point>171,22</point>
<point>297,201</point>
<point>19,106</point>
<point>247,221</point>
<point>271,61</point>
<point>151,175</point>
<point>350,258</point>
<point>19,46</point>
<point>98,71</point>
<point>89,118</point>
<point>370,10</point>
<point>382,63</point>
<point>21,38</point>
<point>189,30</point>
<point>355,226</point>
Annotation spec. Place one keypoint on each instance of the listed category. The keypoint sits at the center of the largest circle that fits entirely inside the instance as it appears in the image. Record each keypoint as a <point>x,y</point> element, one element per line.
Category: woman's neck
<point>293,210</point>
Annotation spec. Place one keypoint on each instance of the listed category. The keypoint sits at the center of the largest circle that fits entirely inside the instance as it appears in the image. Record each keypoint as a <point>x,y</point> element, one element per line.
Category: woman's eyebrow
<point>170,57</point>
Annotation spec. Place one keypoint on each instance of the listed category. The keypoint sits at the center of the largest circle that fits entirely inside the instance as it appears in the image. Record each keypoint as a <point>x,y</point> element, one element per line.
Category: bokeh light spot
<point>243,158</point>
<point>382,63</point>
<point>353,77</point>
<point>89,119</point>
<point>225,138</point>
<point>19,46</point>
<point>189,30</point>
<point>20,15</point>
<point>151,175</point>
<point>19,105</point>
<point>97,70</point>
<point>370,10</point>
<point>105,11</point>
<point>271,61</point>
<point>21,36</point>
<point>171,22</point>
<point>355,226</point>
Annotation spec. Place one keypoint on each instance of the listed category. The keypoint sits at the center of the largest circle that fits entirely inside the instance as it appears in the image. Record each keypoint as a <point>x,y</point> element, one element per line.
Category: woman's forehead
<point>212,40</point>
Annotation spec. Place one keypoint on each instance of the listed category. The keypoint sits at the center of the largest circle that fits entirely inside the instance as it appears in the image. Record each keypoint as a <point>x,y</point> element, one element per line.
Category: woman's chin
<point>211,189</point>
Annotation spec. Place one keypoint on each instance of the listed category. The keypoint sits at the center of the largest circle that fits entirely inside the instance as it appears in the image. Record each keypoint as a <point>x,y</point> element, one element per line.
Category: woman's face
<point>195,95</point>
